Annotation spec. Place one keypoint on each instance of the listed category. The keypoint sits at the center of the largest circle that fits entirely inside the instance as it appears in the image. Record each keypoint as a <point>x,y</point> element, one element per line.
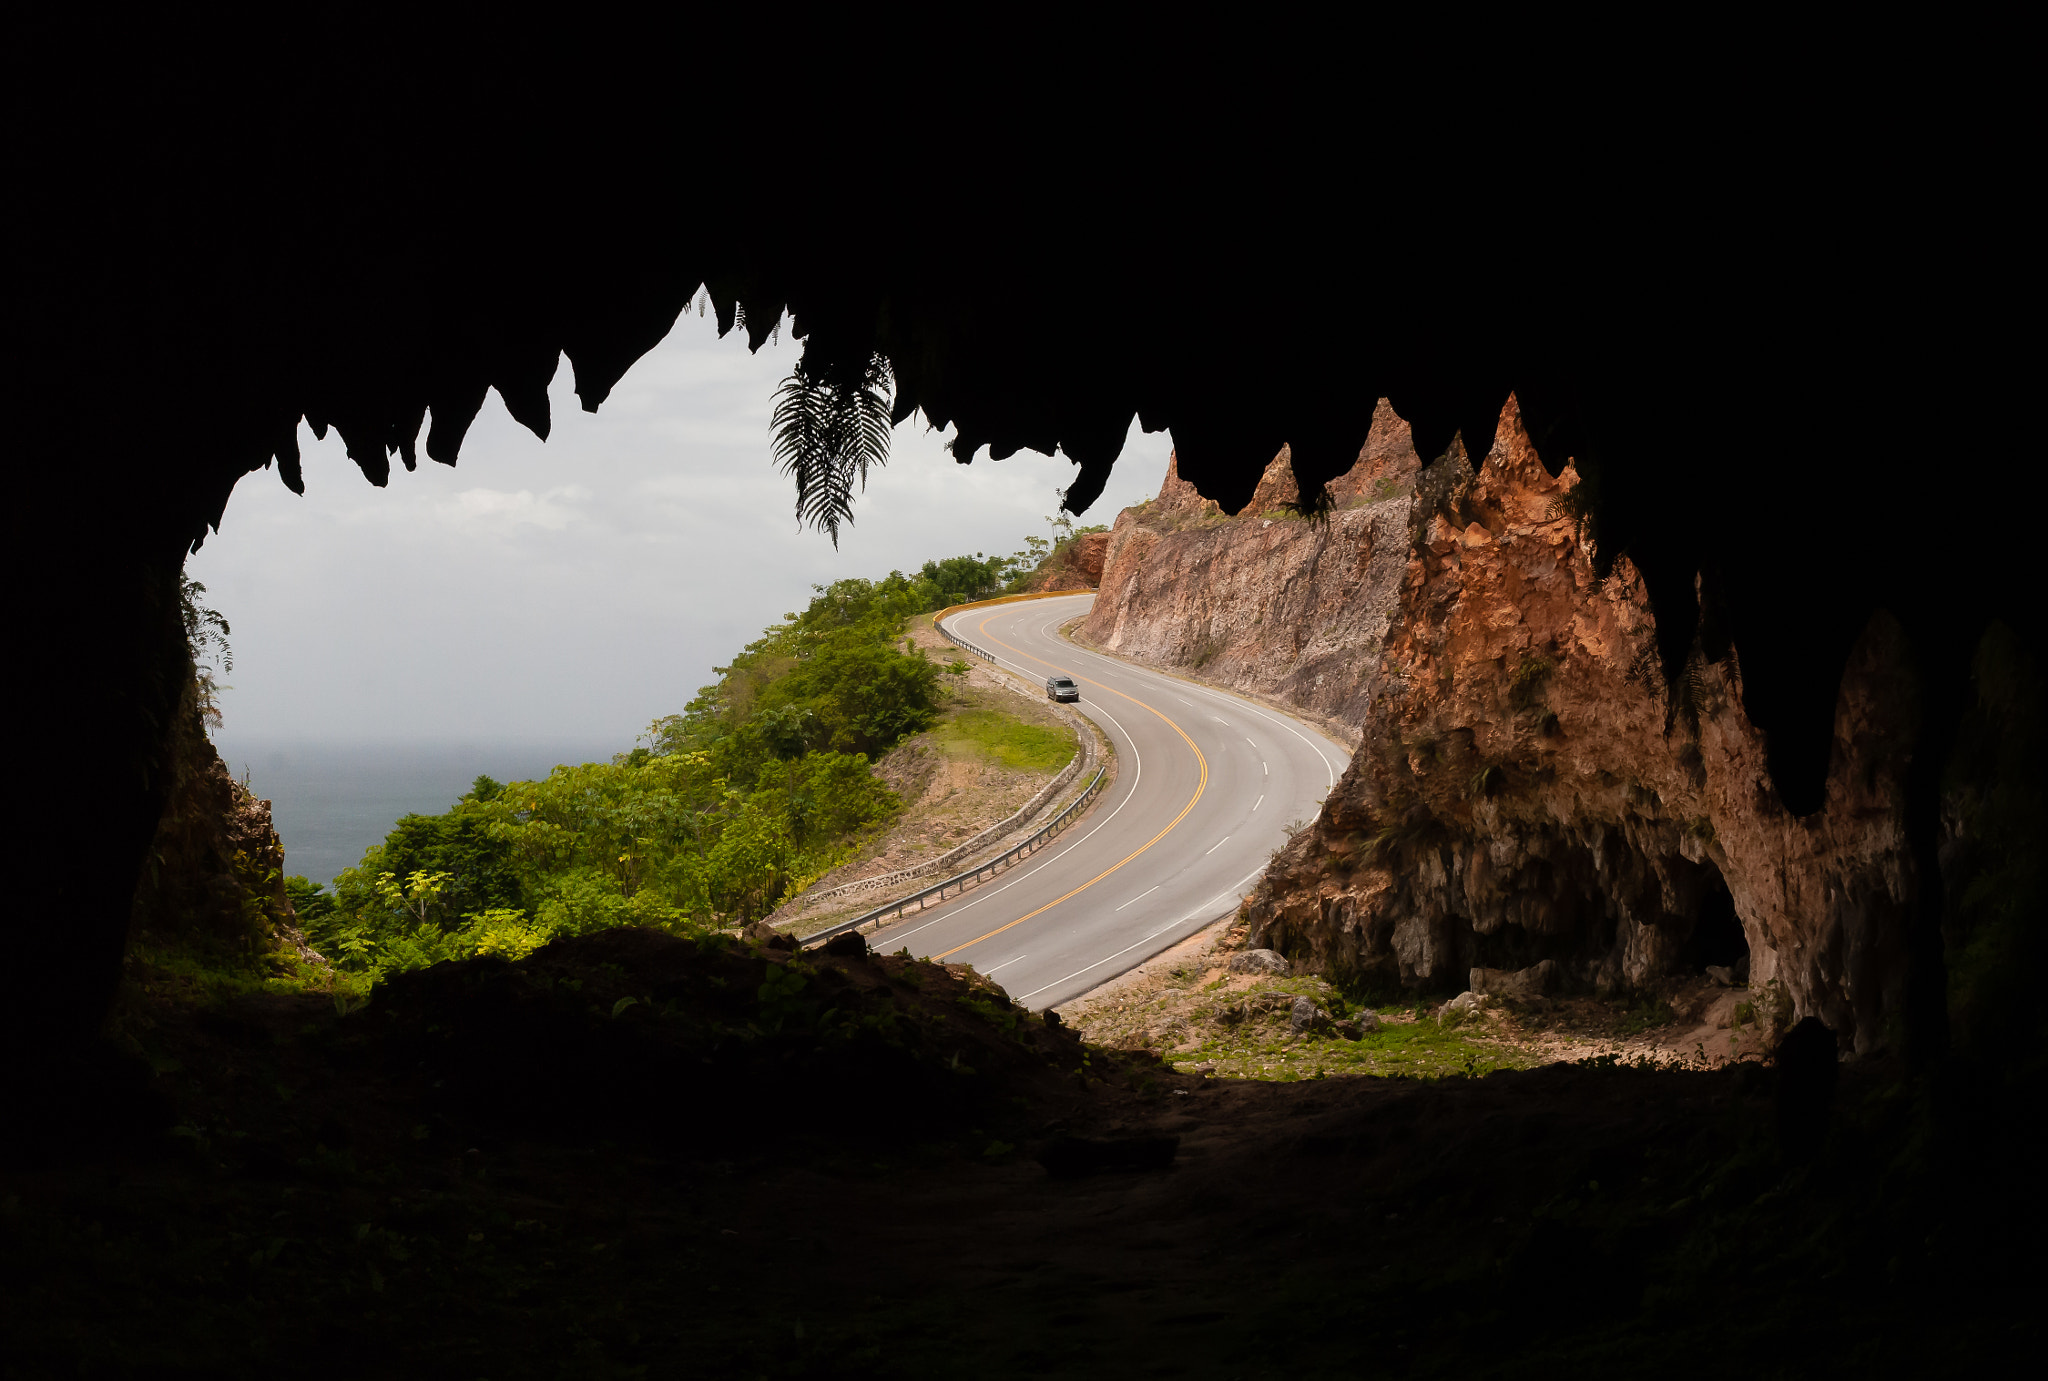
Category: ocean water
<point>332,801</point>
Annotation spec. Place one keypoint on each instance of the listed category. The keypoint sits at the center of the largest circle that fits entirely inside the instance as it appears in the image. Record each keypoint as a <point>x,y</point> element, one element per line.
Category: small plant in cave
<point>1429,749</point>
<point>1689,693</point>
<point>1408,824</point>
<point>1579,504</point>
<point>1643,665</point>
<point>1771,1006</point>
<point>1438,489</point>
<point>1648,1013</point>
<point>1527,682</point>
<point>1488,780</point>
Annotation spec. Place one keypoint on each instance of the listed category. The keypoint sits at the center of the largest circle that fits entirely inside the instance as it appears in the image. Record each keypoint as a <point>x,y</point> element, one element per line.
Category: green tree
<point>415,896</point>
<point>464,845</point>
<point>964,579</point>
<point>309,899</point>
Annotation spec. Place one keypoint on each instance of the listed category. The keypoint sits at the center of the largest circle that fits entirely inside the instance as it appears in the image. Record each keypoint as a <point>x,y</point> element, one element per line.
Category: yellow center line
<point>1200,786</point>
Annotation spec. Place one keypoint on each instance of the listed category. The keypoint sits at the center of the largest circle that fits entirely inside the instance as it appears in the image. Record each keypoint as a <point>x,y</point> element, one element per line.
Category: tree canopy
<point>760,784</point>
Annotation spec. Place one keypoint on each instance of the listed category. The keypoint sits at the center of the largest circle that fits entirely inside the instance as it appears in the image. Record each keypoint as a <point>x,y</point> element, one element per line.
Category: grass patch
<point>1416,1049</point>
<point>1258,1044</point>
<point>1000,738</point>
<point>183,974</point>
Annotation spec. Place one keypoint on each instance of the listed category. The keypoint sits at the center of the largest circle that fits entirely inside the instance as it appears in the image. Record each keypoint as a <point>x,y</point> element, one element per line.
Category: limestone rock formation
<point>1078,566</point>
<point>1267,601</point>
<point>214,877</point>
<point>1089,552</point>
<point>1528,795</point>
<point>1528,790</point>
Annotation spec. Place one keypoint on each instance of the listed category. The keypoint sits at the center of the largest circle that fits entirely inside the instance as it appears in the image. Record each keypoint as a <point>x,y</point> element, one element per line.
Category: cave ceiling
<point>1721,344</point>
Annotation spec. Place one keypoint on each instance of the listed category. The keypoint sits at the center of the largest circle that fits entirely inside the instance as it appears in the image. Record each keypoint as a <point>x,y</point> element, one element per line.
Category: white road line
<point>1328,766</point>
<point>1161,931</point>
<point>1265,766</point>
<point>1261,801</point>
<point>1218,844</point>
<point>1140,897</point>
<point>1004,965</point>
<point>1137,775</point>
<point>1238,703</point>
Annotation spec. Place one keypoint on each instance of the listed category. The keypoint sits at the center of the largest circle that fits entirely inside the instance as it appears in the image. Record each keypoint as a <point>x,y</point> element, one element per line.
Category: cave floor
<point>1185,1005</point>
<point>1600,1219</point>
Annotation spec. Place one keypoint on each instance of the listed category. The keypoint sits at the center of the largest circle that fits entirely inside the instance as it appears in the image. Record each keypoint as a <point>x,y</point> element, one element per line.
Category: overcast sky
<point>573,590</point>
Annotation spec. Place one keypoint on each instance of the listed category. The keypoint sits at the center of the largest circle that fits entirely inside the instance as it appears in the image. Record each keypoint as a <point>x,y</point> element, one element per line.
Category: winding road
<point>1206,786</point>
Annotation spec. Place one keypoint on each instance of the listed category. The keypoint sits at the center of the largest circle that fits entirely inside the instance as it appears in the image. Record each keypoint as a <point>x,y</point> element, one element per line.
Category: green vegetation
<point>1525,687</point>
<point>1045,554</point>
<point>206,635</point>
<point>761,784</point>
<point>964,579</point>
<point>1410,1044</point>
<point>1000,738</point>
<point>1247,1033</point>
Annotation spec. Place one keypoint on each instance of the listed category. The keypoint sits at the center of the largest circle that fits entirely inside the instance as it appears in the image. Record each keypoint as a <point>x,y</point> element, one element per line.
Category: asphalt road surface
<point>1206,787</point>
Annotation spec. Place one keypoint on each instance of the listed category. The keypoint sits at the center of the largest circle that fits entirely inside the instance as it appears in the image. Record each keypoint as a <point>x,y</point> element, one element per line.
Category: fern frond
<point>828,430</point>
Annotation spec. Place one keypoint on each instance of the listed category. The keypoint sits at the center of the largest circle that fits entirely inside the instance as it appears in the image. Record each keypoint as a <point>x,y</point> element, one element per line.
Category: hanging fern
<point>830,426</point>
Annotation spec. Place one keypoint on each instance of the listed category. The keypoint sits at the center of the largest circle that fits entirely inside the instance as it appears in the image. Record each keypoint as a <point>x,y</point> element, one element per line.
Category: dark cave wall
<point>388,240</point>
<point>102,623</point>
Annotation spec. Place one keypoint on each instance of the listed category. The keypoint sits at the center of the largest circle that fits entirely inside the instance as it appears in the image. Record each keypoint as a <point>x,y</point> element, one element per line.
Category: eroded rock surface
<point>214,876</point>
<point>1528,791</point>
<point>1267,601</point>
<point>1077,567</point>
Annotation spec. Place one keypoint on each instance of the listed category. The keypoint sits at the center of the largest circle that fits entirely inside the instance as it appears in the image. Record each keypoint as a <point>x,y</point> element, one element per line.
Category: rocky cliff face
<point>1527,789</point>
<point>214,876</point>
<point>1266,601</point>
<point>1076,566</point>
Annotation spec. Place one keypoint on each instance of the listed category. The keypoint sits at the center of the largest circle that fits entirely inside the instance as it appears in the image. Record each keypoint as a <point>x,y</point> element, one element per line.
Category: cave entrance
<point>1717,936</point>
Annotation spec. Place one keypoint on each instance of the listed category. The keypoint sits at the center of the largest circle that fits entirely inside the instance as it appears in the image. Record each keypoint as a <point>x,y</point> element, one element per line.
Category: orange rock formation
<point>1527,787</point>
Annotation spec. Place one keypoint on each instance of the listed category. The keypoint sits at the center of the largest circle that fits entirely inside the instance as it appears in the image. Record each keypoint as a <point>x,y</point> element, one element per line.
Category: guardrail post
<point>900,905</point>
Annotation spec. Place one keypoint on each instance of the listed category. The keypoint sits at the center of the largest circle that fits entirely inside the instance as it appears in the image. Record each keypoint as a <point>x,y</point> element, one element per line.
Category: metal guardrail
<point>964,645</point>
<point>959,881</point>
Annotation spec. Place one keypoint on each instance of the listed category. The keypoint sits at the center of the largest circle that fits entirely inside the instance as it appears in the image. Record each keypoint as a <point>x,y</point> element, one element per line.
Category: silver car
<point>1061,688</point>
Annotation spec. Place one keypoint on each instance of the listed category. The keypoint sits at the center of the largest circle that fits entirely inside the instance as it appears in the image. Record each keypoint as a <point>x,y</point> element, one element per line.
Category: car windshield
<point>1061,681</point>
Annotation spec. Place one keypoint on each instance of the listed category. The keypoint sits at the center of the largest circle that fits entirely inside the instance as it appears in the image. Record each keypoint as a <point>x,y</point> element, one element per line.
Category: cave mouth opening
<point>1717,939</point>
